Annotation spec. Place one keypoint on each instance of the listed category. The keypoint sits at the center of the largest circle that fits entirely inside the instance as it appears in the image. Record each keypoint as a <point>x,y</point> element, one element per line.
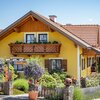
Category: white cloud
<point>91,20</point>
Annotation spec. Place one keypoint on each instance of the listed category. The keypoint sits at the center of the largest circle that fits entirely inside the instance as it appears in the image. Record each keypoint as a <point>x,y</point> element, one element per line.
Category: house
<point>73,48</point>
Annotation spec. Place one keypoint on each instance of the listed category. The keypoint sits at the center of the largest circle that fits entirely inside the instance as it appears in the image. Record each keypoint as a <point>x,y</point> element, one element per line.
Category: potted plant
<point>33,71</point>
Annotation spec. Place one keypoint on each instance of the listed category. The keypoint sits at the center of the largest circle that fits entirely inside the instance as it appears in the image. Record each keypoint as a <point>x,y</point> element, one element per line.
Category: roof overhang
<point>96,50</point>
<point>51,24</point>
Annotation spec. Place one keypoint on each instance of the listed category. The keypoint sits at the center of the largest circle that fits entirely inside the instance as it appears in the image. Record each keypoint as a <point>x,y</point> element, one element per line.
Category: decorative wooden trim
<point>88,52</point>
<point>30,49</point>
<point>75,45</point>
<point>32,18</point>
<point>16,29</point>
<point>50,29</point>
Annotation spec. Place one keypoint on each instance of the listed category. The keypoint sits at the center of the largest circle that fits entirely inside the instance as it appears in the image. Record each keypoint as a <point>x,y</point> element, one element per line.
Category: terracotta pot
<point>33,95</point>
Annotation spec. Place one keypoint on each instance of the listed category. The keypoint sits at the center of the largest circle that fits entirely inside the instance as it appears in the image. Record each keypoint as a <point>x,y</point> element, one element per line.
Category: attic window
<point>30,38</point>
<point>42,38</point>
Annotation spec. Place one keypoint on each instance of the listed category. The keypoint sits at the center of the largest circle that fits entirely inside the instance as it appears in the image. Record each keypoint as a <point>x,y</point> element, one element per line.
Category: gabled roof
<point>88,33</point>
<point>51,24</point>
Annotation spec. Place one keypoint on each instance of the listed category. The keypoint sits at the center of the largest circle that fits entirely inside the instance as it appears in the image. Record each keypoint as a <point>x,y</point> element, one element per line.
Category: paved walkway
<point>17,97</point>
<point>20,97</point>
<point>14,97</point>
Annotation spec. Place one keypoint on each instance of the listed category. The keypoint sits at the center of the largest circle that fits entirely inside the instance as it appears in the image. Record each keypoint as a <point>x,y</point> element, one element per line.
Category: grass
<point>92,95</point>
<point>16,92</point>
<point>21,84</point>
<point>1,93</point>
<point>78,94</point>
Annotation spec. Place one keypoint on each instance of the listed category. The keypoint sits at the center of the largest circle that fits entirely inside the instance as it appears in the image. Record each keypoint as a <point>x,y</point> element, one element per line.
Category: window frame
<point>29,33</point>
<point>56,63</point>
<point>40,33</point>
<point>83,63</point>
<point>93,60</point>
<point>17,66</point>
<point>55,59</point>
<point>90,61</point>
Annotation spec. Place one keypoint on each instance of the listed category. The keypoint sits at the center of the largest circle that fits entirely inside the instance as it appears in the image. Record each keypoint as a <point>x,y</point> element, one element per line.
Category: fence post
<point>68,91</point>
<point>8,87</point>
<point>10,90</point>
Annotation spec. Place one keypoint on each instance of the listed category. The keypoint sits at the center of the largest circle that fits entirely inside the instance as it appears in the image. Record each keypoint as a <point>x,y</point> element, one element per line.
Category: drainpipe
<point>78,65</point>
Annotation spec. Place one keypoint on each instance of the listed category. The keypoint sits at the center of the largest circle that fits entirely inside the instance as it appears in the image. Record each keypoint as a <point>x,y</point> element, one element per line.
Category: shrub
<point>16,92</point>
<point>33,70</point>
<point>93,81</point>
<point>48,81</point>
<point>21,75</point>
<point>78,95</point>
<point>21,84</point>
<point>58,80</point>
<point>83,82</point>
<point>63,76</point>
<point>98,77</point>
<point>99,67</point>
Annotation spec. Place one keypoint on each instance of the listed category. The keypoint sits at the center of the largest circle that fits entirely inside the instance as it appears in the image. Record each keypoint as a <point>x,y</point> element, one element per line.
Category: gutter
<point>96,50</point>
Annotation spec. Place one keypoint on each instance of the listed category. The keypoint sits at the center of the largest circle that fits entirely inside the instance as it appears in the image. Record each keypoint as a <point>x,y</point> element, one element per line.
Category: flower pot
<point>33,95</point>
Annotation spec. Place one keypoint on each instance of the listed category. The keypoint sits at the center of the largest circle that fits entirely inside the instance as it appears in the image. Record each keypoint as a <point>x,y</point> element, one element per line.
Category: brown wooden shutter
<point>48,65</point>
<point>64,64</point>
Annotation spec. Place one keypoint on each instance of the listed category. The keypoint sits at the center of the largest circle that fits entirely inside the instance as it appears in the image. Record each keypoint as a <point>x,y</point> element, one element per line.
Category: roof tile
<point>88,33</point>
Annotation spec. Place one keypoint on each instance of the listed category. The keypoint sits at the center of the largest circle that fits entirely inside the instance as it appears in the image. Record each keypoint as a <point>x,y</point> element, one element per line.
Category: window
<point>56,63</point>
<point>90,61</point>
<point>18,67</point>
<point>51,64</point>
<point>1,63</point>
<point>83,63</point>
<point>42,38</point>
<point>18,63</point>
<point>30,38</point>
<point>87,62</point>
<point>93,60</point>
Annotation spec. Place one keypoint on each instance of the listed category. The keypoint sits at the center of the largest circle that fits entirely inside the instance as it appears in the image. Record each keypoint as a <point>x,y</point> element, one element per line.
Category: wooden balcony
<point>34,48</point>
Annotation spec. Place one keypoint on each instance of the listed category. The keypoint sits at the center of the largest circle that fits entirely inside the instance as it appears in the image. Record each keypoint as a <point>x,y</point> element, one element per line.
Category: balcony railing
<point>34,48</point>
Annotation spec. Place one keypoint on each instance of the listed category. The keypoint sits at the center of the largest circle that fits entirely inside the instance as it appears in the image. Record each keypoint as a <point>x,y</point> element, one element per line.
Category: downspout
<point>78,65</point>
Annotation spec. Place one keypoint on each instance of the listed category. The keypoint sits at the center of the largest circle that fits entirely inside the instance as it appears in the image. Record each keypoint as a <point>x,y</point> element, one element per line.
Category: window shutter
<point>48,64</point>
<point>64,64</point>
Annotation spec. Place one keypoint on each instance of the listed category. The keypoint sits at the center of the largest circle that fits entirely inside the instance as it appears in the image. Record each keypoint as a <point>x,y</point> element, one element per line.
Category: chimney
<point>52,18</point>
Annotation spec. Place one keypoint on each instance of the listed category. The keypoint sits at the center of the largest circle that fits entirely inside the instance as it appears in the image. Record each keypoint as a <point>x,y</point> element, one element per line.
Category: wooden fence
<point>1,86</point>
<point>6,88</point>
<point>51,94</point>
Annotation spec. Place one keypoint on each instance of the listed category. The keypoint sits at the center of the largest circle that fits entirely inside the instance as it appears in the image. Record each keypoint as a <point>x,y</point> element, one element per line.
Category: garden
<point>48,84</point>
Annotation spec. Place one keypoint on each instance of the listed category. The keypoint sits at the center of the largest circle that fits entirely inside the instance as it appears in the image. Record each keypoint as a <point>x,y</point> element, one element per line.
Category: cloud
<point>90,19</point>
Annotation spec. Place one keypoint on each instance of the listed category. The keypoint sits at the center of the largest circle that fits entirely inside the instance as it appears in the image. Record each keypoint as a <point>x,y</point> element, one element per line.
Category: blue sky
<point>67,11</point>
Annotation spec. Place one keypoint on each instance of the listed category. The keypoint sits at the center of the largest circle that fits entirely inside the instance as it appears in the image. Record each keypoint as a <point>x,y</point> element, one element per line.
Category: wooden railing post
<point>22,48</point>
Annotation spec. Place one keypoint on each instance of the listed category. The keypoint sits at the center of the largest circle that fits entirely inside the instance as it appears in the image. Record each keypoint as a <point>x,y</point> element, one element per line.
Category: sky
<point>67,11</point>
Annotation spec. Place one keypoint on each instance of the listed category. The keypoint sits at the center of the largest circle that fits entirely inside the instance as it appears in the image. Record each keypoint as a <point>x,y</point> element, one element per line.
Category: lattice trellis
<point>34,48</point>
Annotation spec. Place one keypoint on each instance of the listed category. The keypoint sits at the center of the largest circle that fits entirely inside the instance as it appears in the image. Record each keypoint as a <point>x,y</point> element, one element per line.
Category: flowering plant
<point>33,71</point>
<point>1,74</point>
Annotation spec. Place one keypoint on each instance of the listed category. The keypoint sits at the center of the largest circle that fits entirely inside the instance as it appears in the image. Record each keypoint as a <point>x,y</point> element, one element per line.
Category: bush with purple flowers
<point>33,70</point>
